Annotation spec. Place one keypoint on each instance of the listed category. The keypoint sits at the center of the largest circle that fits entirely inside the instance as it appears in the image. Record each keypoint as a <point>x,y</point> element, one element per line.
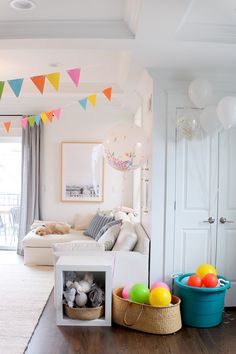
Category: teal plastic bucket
<point>200,307</point>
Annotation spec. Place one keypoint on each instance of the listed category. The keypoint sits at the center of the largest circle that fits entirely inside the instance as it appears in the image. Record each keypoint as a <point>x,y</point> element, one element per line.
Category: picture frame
<point>82,172</point>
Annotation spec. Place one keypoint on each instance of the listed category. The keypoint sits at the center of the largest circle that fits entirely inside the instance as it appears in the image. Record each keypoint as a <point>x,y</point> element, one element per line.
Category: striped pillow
<point>96,224</point>
<point>106,227</point>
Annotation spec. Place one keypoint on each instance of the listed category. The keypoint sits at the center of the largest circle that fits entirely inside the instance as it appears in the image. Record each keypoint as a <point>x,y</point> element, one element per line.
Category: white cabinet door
<point>196,202</point>
<point>226,236</point>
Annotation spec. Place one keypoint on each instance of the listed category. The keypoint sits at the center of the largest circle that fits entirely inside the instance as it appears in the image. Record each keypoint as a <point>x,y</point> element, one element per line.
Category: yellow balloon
<point>204,269</point>
<point>160,297</point>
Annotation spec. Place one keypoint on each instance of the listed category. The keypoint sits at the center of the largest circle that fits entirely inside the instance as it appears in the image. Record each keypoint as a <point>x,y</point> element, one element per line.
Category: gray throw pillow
<point>96,224</point>
<point>106,227</point>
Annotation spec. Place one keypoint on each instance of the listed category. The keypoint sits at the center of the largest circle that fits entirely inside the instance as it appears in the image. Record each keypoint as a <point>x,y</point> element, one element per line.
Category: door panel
<point>226,239</point>
<point>197,240</point>
<point>196,189</point>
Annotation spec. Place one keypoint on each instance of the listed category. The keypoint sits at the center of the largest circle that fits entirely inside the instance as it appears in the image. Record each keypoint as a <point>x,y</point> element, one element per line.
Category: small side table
<point>102,270</point>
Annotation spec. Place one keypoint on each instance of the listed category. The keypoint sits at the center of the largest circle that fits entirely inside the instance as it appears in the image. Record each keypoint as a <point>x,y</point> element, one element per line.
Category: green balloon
<point>139,293</point>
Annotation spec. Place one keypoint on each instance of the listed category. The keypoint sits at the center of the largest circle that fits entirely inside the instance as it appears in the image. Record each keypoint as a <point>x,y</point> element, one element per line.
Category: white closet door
<point>196,202</point>
<point>226,238</point>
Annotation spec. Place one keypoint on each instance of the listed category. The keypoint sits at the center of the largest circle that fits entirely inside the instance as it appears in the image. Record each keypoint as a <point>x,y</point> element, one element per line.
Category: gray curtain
<point>32,143</point>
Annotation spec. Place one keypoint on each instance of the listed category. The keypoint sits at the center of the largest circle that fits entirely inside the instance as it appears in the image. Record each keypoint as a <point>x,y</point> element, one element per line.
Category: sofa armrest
<point>143,242</point>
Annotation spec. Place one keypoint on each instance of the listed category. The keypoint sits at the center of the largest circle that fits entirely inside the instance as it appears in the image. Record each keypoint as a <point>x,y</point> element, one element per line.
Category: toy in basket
<point>154,311</point>
<point>83,299</point>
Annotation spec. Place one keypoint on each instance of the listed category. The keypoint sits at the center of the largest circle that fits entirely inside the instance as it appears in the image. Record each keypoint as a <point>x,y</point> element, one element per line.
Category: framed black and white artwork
<point>82,175</point>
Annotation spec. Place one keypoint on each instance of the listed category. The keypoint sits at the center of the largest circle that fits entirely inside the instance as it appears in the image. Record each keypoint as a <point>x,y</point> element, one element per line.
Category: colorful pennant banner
<point>74,75</point>
<point>56,112</point>
<point>39,81</point>
<point>16,86</point>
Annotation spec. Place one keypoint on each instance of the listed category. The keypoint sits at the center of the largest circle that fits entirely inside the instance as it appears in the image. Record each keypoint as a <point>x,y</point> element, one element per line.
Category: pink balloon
<point>159,284</point>
<point>126,291</point>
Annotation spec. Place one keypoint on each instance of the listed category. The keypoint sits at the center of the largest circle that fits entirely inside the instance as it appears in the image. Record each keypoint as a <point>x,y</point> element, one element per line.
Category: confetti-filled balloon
<point>125,147</point>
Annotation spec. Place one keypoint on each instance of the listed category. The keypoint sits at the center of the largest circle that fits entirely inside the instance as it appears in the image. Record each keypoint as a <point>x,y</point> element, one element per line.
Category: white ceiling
<point>164,34</point>
<point>66,10</point>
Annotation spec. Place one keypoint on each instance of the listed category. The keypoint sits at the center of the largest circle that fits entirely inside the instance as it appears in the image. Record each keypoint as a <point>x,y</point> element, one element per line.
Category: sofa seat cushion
<point>33,240</point>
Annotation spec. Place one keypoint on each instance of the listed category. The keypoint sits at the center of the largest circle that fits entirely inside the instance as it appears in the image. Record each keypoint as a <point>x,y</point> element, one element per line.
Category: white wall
<point>75,124</point>
<point>78,125</point>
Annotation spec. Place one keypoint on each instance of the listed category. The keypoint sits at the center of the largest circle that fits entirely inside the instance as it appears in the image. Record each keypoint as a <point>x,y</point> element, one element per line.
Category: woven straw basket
<point>146,318</point>
<point>84,314</point>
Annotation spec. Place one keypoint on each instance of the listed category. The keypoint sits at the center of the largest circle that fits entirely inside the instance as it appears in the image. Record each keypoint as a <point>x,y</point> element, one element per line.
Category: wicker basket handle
<point>125,316</point>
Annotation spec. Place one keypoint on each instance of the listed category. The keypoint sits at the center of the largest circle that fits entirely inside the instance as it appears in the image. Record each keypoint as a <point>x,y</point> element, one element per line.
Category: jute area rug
<point>23,294</point>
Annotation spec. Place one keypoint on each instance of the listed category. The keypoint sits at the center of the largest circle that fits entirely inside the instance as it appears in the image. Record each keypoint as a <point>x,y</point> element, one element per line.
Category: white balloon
<point>200,92</point>
<point>226,110</point>
<point>187,123</point>
<point>125,148</point>
<point>209,120</point>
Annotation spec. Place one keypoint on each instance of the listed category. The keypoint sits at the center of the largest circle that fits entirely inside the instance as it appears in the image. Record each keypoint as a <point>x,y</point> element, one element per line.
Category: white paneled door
<point>195,217</point>
<point>226,235</point>
<point>205,209</point>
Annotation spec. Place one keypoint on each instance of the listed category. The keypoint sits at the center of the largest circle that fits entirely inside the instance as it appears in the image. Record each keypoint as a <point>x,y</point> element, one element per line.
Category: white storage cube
<point>102,271</point>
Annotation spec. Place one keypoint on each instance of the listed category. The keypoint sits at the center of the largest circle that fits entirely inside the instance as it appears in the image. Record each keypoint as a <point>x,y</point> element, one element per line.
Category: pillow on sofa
<point>121,215</point>
<point>109,237</point>
<point>106,227</point>
<point>96,224</point>
<point>127,238</point>
<point>81,222</point>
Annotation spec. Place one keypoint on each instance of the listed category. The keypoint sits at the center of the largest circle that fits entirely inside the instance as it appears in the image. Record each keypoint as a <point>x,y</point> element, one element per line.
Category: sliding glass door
<point>10,190</point>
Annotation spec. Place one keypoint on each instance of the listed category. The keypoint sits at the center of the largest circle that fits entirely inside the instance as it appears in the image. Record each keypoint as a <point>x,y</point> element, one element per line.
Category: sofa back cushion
<point>109,238</point>
<point>81,222</point>
<point>127,238</point>
<point>96,224</point>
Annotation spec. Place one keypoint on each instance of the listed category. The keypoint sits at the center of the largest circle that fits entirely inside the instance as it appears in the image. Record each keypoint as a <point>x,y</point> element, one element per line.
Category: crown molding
<point>39,29</point>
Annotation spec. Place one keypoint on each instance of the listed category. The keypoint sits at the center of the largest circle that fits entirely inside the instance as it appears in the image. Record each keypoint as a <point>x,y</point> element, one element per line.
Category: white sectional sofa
<point>129,266</point>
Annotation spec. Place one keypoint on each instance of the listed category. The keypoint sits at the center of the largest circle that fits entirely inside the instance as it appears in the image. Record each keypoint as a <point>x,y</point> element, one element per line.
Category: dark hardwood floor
<point>50,339</point>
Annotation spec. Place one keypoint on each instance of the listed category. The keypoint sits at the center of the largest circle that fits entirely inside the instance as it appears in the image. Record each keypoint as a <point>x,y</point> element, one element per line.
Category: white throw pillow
<point>82,222</point>
<point>127,238</point>
<point>120,215</point>
<point>109,237</point>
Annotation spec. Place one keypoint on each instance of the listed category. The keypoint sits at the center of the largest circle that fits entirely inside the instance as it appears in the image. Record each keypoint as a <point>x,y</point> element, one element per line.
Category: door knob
<point>224,220</point>
<point>210,220</point>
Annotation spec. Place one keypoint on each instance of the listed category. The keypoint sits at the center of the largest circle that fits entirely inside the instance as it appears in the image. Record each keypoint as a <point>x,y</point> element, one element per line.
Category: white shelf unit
<point>102,270</point>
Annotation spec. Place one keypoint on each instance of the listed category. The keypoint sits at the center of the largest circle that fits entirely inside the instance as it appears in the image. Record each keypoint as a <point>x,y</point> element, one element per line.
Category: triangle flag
<point>54,79</point>
<point>24,122</point>
<point>7,126</point>
<point>44,117</point>
<point>74,75</point>
<point>83,103</point>
<point>31,121</point>
<point>92,99</point>
<point>16,86</point>
<point>57,112</point>
<point>2,83</point>
<point>37,119</point>
<point>49,115</point>
<point>39,82</point>
<point>107,92</point>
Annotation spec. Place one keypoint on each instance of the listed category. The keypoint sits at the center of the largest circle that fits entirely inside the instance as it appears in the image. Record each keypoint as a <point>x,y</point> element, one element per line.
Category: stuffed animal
<point>69,295</point>
<point>96,296</point>
<point>83,285</point>
<point>81,299</point>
